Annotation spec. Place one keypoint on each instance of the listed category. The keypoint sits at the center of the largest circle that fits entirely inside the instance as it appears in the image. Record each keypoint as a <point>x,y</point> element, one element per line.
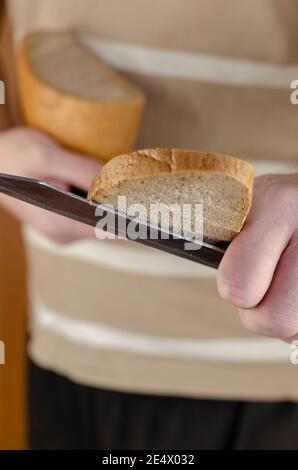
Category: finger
<point>75,169</point>
<point>54,226</point>
<point>277,314</point>
<point>247,268</point>
<point>63,230</point>
<point>60,184</point>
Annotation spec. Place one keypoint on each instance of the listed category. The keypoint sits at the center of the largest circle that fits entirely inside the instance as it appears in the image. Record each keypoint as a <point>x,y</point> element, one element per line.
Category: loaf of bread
<point>163,176</point>
<point>68,92</point>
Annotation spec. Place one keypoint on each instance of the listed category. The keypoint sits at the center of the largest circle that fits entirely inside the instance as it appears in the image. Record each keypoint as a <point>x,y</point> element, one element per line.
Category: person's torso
<point>217,77</point>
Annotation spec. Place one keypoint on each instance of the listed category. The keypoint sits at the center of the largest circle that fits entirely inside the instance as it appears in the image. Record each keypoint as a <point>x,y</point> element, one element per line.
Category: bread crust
<point>100,128</point>
<point>159,161</point>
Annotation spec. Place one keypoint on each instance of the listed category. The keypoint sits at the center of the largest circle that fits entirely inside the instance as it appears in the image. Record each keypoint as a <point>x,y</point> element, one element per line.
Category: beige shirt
<point>217,77</point>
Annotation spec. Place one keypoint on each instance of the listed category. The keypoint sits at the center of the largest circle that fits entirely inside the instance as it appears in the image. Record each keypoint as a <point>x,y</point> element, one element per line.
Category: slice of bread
<point>164,176</point>
<point>68,92</point>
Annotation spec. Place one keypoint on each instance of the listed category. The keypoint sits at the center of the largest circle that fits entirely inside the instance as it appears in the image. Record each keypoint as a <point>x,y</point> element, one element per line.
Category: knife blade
<point>67,204</point>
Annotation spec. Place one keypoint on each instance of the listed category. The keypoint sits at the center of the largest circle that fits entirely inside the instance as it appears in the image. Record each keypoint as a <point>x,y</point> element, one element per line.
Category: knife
<point>49,197</point>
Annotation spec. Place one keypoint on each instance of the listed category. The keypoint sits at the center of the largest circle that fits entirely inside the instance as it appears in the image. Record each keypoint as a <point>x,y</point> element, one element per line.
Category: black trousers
<point>65,415</point>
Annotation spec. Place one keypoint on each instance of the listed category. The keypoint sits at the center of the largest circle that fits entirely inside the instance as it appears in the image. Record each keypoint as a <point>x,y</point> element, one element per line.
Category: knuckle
<point>267,323</point>
<point>51,231</point>
<point>40,150</point>
<point>247,320</point>
<point>41,156</point>
<point>285,196</point>
<point>238,292</point>
<point>292,248</point>
<point>277,325</point>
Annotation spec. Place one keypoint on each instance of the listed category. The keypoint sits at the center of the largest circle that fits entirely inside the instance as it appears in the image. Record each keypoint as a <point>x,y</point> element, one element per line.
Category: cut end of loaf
<point>58,59</point>
<point>68,92</point>
<point>221,183</point>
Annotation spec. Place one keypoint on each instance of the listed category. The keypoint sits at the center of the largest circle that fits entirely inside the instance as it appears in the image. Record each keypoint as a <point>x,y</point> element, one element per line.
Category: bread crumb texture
<point>223,185</point>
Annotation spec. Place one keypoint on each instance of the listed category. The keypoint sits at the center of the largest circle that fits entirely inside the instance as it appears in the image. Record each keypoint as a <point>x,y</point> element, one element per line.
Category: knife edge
<point>51,198</point>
